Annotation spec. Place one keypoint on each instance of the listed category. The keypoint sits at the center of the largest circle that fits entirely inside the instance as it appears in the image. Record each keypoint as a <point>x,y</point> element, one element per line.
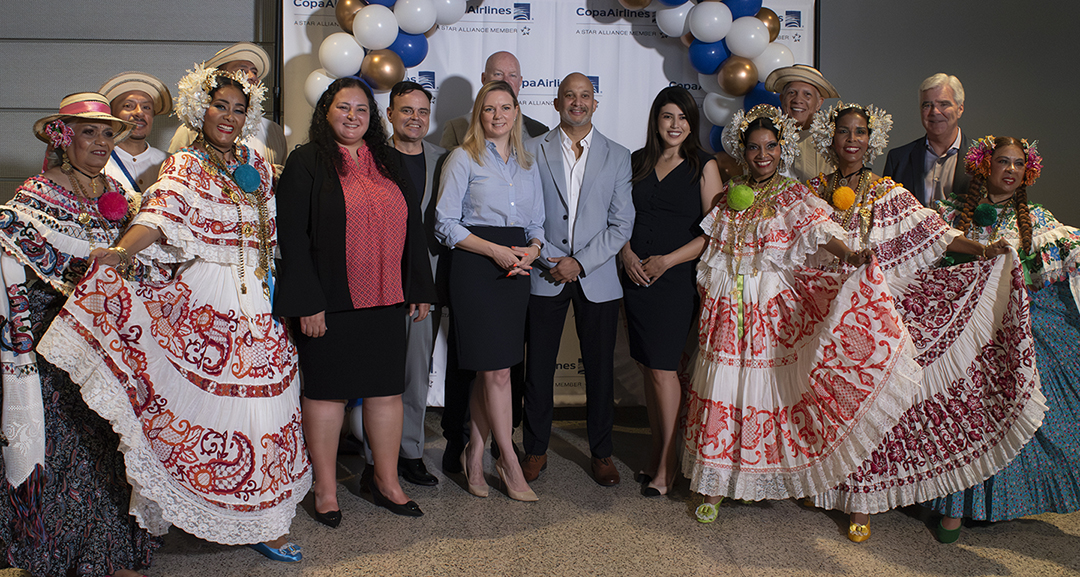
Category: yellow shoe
<point>858,533</point>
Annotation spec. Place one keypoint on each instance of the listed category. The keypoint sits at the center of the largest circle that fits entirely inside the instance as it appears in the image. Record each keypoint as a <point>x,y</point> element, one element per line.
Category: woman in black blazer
<point>353,253</point>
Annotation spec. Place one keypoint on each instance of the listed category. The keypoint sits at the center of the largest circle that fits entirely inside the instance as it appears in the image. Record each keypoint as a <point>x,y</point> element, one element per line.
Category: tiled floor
<point>579,528</point>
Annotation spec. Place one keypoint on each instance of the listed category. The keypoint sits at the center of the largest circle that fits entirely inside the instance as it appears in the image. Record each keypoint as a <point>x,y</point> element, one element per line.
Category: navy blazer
<point>311,236</point>
<point>907,166</point>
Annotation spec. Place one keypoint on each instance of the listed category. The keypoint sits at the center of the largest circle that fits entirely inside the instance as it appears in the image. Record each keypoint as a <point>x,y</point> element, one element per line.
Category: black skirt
<point>361,355</point>
<point>488,307</point>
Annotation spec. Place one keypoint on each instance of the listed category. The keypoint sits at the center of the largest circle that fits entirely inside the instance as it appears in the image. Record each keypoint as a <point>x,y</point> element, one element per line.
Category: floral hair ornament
<point>194,98</point>
<point>734,135</point>
<point>59,134</point>
<point>977,161</point>
<point>823,130</point>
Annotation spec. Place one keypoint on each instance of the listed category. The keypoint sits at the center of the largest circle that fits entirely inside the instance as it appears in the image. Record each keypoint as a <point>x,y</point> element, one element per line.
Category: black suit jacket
<point>311,235</point>
<point>907,166</point>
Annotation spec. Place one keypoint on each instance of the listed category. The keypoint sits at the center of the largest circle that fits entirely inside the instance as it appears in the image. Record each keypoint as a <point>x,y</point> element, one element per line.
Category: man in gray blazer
<point>589,217</point>
<point>499,66</point>
<point>409,113</point>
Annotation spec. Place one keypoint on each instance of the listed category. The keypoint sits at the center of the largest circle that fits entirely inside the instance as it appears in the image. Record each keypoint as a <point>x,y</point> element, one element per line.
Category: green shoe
<point>706,512</point>
<point>947,535</point>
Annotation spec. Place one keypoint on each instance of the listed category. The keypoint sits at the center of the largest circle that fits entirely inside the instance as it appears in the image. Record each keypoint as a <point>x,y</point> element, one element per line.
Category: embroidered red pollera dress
<point>196,377</point>
<point>800,372</point>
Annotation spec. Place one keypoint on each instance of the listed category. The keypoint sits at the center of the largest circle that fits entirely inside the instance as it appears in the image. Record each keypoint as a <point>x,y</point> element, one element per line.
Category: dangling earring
<point>65,166</point>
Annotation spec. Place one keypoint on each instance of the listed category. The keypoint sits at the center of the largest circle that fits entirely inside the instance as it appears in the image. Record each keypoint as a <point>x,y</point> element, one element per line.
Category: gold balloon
<point>737,75</point>
<point>687,39</point>
<point>635,4</point>
<point>345,11</point>
<point>382,69</point>
<point>432,30</point>
<point>771,21</point>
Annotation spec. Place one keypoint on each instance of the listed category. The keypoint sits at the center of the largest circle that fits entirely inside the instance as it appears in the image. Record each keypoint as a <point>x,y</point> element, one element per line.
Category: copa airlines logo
<point>616,13</point>
<point>315,4</point>
<point>595,83</point>
<point>521,11</point>
<point>540,83</point>
<point>791,19</point>
<point>425,78</point>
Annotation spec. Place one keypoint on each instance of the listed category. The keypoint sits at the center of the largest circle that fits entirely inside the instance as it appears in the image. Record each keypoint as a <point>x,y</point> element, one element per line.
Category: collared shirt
<point>143,167</point>
<point>940,170</point>
<point>809,163</point>
<point>495,194</point>
<point>574,171</point>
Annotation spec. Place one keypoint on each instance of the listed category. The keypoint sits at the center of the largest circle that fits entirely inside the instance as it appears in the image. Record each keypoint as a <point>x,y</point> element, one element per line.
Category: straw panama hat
<point>242,51</point>
<point>127,81</point>
<point>781,77</point>
<point>88,105</point>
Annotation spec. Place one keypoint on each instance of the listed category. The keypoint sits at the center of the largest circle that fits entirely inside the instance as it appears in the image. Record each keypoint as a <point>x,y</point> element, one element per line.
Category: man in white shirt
<point>589,215</point>
<point>269,139</point>
<point>802,91</point>
<point>136,97</point>
<point>932,167</point>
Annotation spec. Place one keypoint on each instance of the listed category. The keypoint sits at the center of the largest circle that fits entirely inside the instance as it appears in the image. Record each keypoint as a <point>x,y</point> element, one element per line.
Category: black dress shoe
<point>330,518</point>
<point>451,459</point>
<point>410,509</point>
<point>414,471</point>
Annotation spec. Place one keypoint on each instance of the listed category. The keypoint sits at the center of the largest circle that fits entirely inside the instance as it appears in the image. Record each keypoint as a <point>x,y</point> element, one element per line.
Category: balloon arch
<point>731,44</point>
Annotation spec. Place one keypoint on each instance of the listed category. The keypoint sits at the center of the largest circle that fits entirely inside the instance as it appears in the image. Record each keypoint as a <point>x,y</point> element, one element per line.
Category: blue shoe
<point>288,553</point>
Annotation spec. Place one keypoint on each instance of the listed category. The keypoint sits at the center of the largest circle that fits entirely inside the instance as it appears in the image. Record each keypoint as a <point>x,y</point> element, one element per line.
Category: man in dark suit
<point>500,66</point>
<point>589,215</point>
<point>932,167</point>
<point>409,113</point>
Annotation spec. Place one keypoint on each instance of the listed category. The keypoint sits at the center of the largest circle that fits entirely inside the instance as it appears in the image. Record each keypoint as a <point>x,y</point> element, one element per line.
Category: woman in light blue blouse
<point>491,210</point>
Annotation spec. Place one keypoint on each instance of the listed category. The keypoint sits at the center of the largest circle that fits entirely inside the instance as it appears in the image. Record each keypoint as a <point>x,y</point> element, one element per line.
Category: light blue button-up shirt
<point>495,194</point>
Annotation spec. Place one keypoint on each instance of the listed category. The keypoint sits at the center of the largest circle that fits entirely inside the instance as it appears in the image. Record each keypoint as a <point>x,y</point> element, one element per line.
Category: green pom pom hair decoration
<point>740,197</point>
<point>984,215</point>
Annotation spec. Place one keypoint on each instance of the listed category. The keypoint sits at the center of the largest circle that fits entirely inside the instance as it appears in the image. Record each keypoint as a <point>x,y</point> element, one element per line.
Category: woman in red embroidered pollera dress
<point>195,375</point>
<point>800,372</point>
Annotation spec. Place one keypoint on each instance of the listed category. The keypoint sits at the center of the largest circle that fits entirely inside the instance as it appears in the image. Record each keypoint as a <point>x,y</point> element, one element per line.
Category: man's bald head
<point>575,101</point>
<point>503,66</point>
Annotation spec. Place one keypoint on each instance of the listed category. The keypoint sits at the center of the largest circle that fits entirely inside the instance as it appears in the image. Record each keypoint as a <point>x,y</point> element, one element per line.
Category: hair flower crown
<point>823,130</point>
<point>734,134</point>
<point>977,161</point>
<point>194,98</point>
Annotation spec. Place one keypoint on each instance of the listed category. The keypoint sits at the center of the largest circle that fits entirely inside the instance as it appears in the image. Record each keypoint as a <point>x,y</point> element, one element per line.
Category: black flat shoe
<point>410,509</point>
<point>330,518</point>
<point>414,471</point>
<point>647,491</point>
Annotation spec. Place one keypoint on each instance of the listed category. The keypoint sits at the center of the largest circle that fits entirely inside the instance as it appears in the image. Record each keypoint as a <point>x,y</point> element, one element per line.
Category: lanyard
<point>124,169</point>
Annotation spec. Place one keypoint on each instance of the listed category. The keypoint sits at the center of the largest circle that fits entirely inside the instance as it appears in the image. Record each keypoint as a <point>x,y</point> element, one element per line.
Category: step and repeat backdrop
<point>630,52</point>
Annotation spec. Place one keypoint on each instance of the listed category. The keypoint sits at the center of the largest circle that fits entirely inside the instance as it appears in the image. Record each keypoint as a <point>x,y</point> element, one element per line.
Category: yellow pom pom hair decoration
<point>740,197</point>
<point>843,198</point>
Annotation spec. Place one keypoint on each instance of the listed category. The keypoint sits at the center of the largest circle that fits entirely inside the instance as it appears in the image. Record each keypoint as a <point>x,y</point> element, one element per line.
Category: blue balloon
<point>390,3</point>
<point>714,138</point>
<point>674,2</point>
<point>758,95</point>
<point>706,57</point>
<point>412,48</point>
<point>740,8</point>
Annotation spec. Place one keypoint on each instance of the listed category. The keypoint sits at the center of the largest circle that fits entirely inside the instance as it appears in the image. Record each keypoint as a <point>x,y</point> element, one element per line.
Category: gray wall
<point>1011,56</point>
<point>51,48</point>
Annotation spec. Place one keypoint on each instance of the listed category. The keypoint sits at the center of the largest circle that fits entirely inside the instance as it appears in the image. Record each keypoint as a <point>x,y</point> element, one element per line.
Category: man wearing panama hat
<point>802,91</point>
<point>136,97</point>
<point>269,139</point>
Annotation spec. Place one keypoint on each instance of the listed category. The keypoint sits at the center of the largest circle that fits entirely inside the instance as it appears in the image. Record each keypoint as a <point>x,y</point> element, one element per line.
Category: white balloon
<point>748,37</point>
<point>316,84</point>
<point>709,83</point>
<point>775,56</point>
<point>449,11</point>
<point>718,108</point>
<point>674,20</point>
<point>375,27</point>
<point>415,16</point>
<point>340,55</point>
<point>710,21</point>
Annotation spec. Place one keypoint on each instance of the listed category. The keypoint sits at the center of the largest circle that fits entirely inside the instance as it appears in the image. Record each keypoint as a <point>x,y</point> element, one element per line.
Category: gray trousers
<point>419,345</point>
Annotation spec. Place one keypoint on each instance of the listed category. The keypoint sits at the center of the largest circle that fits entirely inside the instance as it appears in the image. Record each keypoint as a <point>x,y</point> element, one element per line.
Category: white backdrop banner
<point>622,51</point>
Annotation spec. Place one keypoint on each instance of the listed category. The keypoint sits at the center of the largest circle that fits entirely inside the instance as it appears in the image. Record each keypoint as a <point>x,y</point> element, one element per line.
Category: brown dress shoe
<point>531,465</point>
<point>604,472</point>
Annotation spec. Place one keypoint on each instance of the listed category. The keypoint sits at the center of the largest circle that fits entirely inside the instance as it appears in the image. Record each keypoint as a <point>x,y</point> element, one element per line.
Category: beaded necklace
<point>233,192</point>
<point>88,212</point>
<point>764,206</point>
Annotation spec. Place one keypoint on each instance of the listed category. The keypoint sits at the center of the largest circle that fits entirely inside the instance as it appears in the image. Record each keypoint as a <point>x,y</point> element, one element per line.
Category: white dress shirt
<point>142,167</point>
<point>574,171</point>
